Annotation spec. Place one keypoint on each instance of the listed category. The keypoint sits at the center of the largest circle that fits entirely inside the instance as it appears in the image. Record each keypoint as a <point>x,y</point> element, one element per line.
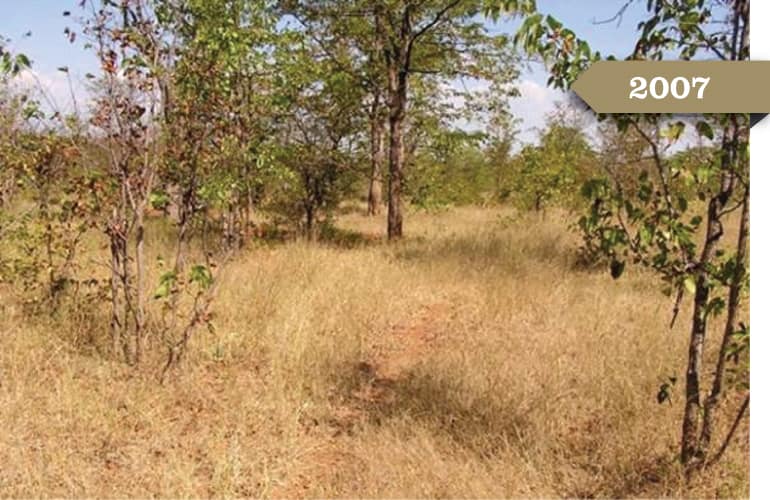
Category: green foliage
<point>43,239</point>
<point>449,170</point>
<point>553,171</point>
<point>11,64</point>
<point>200,276</point>
<point>160,200</point>
<point>319,129</point>
<point>653,224</point>
<point>218,129</point>
<point>166,285</point>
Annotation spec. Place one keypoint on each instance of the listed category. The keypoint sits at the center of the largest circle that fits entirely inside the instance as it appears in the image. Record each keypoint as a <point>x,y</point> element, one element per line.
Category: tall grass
<point>474,359</point>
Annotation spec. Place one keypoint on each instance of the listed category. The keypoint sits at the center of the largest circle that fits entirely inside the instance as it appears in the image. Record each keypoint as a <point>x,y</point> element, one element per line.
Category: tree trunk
<point>378,159</point>
<point>395,215</point>
<point>248,228</point>
<point>694,449</point>
<point>310,221</point>
<point>689,449</point>
<point>691,453</point>
<point>115,258</point>
<point>377,129</point>
<point>398,88</point>
<point>140,270</point>
<point>733,303</point>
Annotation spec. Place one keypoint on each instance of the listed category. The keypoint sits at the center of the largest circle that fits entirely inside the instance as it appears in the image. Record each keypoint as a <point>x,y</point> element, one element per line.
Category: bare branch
<point>618,15</point>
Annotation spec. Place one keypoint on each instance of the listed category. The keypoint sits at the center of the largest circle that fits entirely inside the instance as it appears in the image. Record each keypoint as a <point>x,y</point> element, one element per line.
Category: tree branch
<point>618,15</point>
<point>437,19</point>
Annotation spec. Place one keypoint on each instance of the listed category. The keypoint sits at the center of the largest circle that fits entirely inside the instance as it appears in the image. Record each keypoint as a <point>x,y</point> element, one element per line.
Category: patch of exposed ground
<point>391,358</point>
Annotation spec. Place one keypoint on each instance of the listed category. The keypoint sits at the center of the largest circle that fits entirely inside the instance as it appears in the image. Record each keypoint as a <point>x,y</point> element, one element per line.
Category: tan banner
<point>676,87</point>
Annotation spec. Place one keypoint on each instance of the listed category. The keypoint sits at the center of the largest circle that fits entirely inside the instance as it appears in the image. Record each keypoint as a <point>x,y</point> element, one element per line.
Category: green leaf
<point>705,130</point>
<point>553,23</point>
<point>162,292</point>
<point>201,275</point>
<point>23,61</point>
<point>689,284</point>
<point>682,202</point>
<point>645,235</point>
<point>167,281</point>
<point>674,132</point>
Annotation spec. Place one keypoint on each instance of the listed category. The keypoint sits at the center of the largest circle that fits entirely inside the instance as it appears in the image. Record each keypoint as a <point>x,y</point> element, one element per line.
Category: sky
<point>48,48</point>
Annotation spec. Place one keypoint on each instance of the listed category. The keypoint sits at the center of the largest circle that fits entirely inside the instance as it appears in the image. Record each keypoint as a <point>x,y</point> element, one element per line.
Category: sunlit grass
<point>504,369</point>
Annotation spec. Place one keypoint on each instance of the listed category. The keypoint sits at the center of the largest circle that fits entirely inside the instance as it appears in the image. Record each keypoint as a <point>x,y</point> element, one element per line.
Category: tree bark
<point>691,453</point>
<point>377,159</point>
<point>377,119</point>
<point>398,87</point>
<point>140,299</point>
<point>396,168</point>
<point>310,221</point>
<point>116,253</point>
<point>733,303</point>
<point>693,446</point>
<point>397,58</point>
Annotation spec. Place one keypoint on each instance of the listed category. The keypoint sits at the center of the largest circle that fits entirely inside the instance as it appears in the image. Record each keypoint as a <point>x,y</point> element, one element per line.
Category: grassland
<point>473,359</point>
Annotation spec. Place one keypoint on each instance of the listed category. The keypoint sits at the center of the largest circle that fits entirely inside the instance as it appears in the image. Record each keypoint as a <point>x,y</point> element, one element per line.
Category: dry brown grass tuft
<point>471,360</point>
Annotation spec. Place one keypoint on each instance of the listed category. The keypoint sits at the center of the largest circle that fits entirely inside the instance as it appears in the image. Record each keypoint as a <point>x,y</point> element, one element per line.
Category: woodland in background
<point>221,125</point>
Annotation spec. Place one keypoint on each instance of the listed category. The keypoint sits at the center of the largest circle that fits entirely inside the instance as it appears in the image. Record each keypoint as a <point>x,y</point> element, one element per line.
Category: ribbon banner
<point>676,87</point>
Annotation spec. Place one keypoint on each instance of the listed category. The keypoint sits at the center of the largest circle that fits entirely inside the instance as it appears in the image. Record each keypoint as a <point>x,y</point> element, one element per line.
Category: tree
<point>501,136</point>
<point>398,40</point>
<point>655,226</point>
<point>342,37</point>
<point>57,199</point>
<point>216,128</point>
<point>158,119</point>
<point>128,105</point>
<point>12,107</point>
<point>320,131</point>
<point>433,37</point>
<point>555,168</point>
<point>215,135</point>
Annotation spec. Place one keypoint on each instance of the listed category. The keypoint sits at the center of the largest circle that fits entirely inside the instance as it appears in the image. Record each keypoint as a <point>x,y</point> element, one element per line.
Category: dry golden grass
<point>471,360</point>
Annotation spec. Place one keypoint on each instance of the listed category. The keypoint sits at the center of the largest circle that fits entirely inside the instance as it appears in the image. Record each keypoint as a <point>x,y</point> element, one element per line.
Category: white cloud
<point>533,91</point>
<point>532,107</point>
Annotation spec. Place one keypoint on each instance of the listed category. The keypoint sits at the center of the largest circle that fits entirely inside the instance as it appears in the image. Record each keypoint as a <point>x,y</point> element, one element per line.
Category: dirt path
<point>397,353</point>
<point>391,357</point>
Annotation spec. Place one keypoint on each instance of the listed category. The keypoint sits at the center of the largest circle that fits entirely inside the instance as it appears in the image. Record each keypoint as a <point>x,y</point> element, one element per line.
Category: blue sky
<point>48,49</point>
<point>584,17</point>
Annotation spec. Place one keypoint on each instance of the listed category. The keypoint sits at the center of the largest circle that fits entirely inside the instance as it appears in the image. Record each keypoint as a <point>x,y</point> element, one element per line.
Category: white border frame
<point>760,271</point>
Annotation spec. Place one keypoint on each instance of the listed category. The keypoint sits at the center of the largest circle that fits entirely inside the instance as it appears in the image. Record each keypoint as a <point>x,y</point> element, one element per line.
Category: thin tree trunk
<point>691,454</point>
<point>128,305</point>
<point>733,302</point>
<point>395,215</point>
<point>310,221</point>
<point>377,126</point>
<point>398,86</point>
<point>140,269</point>
<point>115,323</point>
<point>247,227</point>
<point>377,159</point>
<point>693,449</point>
